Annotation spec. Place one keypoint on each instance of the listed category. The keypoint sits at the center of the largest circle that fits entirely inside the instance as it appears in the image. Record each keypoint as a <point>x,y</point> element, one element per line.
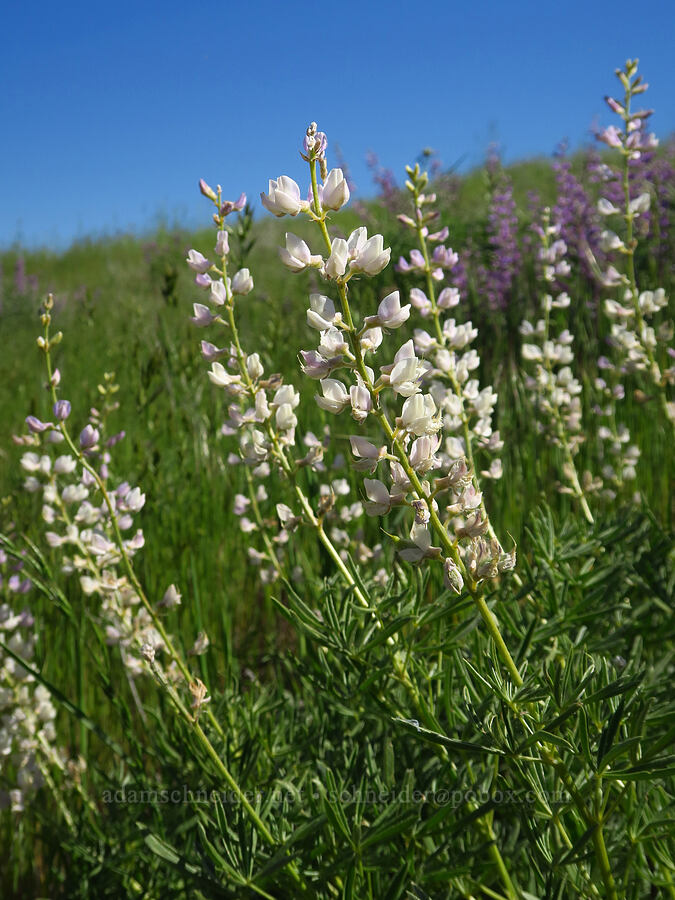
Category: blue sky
<point>112,112</point>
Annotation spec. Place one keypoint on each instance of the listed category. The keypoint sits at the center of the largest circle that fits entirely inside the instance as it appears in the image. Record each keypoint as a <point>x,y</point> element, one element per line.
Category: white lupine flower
<point>420,301</point>
<point>64,465</point>
<point>54,539</point>
<point>371,340</point>
<point>341,487</point>
<point>133,501</point>
<point>610,241</point>
<point>336,264</point>
<point>285,418</point>
<point>287,517</point>
<point>640,204</point>
<point>74,493</point>
<point>423,341</point>
<point>495,471</point>
<point>531,352</point>
<point>368,455</point>
<point>422,452</point>
<point>616,311</point>
<point>88,514</point>
<point>335,190</point>
<point>404,378</point>
<point>321,313</point>
<point>33,462</point>
<point>605,208</point>
<point>241,504</point>
<point>220,377</point>
<point>371,257</point>
<point>89,585</point>
<point>356,241</point>
<point>419,547</point>
<point>405,351</point>
<point>202,315</point>
<point>283,197</point>
<point>296,256</point>
<point>390,313</point>
<point>652,301</point>
<point>197,261</point>
<point>361,401</point>
<point>458,336</point>
<point>242,283</point>
<point>316,366</point>
<point>335,397</point>
<point>379,500</point>
<point>612,277</point>
<point>418,415</point>
<point>217,292</point>
<point>448,298</point>
<point>286,394</point>
<point>454,447</point>
<point>333,343</point>
<point>254,367</point>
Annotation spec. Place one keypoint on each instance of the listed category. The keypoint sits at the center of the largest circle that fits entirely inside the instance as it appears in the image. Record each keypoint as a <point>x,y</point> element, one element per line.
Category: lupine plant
<point>430,714</point>
<point>639,346</point>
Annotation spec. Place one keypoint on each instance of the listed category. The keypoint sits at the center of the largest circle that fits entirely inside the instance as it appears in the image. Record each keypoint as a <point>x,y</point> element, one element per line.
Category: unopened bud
<point>452,577</point>
<point>207,191</point>
<point>61,410</point>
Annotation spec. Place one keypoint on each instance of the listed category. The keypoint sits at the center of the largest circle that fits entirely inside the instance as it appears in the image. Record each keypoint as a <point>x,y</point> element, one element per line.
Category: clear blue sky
<point>112,111</point>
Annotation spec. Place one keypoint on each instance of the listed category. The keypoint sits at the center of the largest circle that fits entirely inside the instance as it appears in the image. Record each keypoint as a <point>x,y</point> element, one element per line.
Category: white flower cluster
<point>553,388</point>
<point>449,361</point>
<point>639,345</point>
<point>80,522</point>
<point>619,457</point>
<point>263,410</point>
<point>262,414</point>
<point>418,388</point>
<point>27,733</point>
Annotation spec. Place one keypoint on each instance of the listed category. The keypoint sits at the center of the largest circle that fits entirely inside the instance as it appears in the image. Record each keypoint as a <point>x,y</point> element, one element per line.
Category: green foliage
<point>387,754</point>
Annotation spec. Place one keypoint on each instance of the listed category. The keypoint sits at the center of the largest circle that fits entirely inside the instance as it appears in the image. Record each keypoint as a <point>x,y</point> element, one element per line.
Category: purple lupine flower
<point>576,214</point>
<point>88,437</point>
<point>35,426</point>
<point>61,410</point>
<point>233,205</point>
<point>496,280</point>
<point>384,179</point>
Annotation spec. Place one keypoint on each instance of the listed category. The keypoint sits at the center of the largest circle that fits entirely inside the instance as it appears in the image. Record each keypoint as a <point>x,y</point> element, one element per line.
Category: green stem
<point>288,466</point>
<point>448,545</point>
<point>204,741</point>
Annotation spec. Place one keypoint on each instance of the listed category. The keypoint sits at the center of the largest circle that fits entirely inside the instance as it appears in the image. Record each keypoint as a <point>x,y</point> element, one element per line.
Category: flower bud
<point>61,410</point>
<point>35,426</point>
<point>452,577</point>
<point>207,191</point>
<point>336,263</point>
